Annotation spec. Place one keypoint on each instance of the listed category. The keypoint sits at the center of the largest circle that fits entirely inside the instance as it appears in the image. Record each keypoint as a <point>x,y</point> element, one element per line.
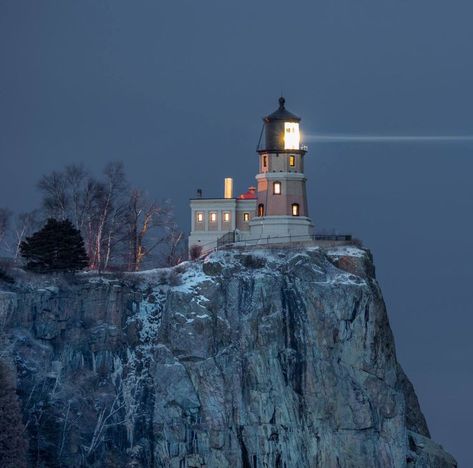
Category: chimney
<point>228,192</point>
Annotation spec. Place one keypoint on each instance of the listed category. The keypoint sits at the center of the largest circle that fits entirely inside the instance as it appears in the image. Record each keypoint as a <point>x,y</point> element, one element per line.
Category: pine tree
<point>13,446</point>
<point>57,247</point>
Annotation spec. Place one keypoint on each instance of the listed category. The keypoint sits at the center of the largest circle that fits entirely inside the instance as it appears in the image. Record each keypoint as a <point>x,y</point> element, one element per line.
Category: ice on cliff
<point>265,358</point>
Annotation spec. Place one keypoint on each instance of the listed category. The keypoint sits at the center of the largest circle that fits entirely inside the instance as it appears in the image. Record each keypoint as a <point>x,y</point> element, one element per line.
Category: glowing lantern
<point>291,135</point>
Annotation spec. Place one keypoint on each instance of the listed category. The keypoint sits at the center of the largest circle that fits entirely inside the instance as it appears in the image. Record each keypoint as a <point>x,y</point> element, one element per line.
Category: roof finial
<point>282,101</point>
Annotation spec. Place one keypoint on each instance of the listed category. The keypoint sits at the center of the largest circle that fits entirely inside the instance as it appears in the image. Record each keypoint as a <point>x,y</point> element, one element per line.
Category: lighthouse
<point>276,210</point>
<point>281,197</point>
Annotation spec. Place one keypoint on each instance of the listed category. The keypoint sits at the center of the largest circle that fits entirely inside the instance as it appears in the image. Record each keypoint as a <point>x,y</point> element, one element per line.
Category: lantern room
<point>281,130</point>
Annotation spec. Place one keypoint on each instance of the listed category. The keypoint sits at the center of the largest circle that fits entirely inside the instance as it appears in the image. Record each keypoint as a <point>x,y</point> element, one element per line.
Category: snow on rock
<point>264,357</point>
<point>346,250</point>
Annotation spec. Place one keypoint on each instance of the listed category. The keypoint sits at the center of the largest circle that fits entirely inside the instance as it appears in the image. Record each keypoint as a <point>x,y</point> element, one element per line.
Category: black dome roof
<point>282,114</point>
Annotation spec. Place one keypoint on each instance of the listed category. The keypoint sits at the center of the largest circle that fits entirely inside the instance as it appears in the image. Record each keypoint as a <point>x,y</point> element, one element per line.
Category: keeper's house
<point>212,218</point>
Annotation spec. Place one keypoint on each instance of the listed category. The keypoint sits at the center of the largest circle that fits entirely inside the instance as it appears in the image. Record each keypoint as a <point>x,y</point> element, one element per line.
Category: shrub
<point>195,251</point>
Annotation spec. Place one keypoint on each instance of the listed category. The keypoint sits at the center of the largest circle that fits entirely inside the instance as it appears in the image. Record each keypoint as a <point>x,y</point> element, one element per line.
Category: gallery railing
<point>231,239</point>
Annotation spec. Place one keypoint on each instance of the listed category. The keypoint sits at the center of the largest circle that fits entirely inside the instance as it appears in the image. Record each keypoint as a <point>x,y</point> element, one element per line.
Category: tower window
<point>277,188</point>
<point>246,217</point>
<point>213,217</point>
<point>226,217</point>
<point>265,161</point>
<point>200,217</point>
<point>260,209</point>
<point>292,160</point>
<point>291,135</point>
<point>295,209</point>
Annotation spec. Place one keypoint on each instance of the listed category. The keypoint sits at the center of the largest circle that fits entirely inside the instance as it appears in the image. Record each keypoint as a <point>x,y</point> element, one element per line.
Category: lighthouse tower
<point>281,204</point>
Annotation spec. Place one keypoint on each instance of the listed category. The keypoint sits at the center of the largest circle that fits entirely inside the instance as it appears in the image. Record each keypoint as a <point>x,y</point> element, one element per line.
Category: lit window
<point>277,188</point>
<point>260,209</point>
<point>295,209</point>
<point>200,217</point>
<point>265,161</point>
<point>291,135</point>
<point>246,217</point>
<point>292,160</point>
<point>213,217</point>
<point>226,217</point>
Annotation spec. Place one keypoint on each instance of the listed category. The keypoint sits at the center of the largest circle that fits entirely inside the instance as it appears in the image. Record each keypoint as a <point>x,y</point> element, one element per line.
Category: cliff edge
<point>266,358</point>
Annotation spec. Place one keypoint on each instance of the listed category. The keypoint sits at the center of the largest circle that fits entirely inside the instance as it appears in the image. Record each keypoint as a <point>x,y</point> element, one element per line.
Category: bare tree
<point>69,194</point>
<point>114,221</point>
<point>25,224</point>
<point>82,194</point>
<point>148,225</point>
<point>174,251</point>
<point>96,208</point>
<point>111,208</point>
<point>55,196</point>
<point>104,420</point>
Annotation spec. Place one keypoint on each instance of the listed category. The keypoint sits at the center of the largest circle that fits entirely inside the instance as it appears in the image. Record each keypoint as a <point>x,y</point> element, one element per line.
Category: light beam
<point>340,138</point>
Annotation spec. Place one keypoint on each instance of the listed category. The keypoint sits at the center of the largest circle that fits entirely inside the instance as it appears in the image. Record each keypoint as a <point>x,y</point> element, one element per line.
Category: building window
<point>292,160</point>
<point>277,188</point>
<point>246,217</point>
<point>265,161</point>
<point>213,217</point>
<point>260,209</point>
<point>295,209</point>
<point>200,217</point>
<point>226,217</point>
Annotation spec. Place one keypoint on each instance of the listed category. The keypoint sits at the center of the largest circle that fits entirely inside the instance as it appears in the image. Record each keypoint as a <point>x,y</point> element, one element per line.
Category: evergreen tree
<point>57,247</point>
<point>13,446</point>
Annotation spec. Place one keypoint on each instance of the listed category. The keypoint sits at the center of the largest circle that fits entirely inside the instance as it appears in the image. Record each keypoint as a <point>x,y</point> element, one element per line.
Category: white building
<point>277,210</point>
<point>212,218</point>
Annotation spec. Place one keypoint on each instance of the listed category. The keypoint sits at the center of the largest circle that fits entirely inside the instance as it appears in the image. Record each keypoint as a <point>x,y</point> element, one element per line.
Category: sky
<point>177,91</point>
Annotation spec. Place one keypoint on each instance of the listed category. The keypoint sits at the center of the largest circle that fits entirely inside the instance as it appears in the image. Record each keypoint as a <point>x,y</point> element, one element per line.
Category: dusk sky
<point>177,90</point>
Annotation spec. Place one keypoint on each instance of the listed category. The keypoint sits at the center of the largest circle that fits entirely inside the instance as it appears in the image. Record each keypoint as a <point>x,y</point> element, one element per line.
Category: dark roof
<point>282,113</point>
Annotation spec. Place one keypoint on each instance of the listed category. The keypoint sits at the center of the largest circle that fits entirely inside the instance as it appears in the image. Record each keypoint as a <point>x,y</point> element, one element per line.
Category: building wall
<point>228,216</point>
<point>242,207</point>
<point>280,162</point>
<point>280,228</point>
<point>293,190</point>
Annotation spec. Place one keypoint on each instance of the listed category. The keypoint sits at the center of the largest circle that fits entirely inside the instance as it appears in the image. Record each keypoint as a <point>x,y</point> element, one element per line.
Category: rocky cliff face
<point>247,359</point>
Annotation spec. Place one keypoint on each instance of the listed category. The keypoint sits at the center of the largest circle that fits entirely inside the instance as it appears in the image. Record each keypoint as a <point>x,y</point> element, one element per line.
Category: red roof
<point>249,195</point>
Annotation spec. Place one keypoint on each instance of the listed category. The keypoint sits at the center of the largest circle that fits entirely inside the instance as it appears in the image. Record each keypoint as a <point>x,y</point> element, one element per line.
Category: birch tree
<point>24,225</point>
<point>55,197</point>
<point>174,251</point>
<point>95,207</point>
<point>148,224</point>
<point>115,221</point>
<point>111,208</point>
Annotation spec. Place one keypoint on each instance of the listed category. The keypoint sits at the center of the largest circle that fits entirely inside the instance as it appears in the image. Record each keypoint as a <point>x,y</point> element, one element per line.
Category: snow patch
<point>346,251</point>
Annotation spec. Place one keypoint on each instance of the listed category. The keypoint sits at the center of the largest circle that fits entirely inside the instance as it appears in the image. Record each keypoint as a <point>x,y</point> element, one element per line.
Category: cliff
<point>270,358</point>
